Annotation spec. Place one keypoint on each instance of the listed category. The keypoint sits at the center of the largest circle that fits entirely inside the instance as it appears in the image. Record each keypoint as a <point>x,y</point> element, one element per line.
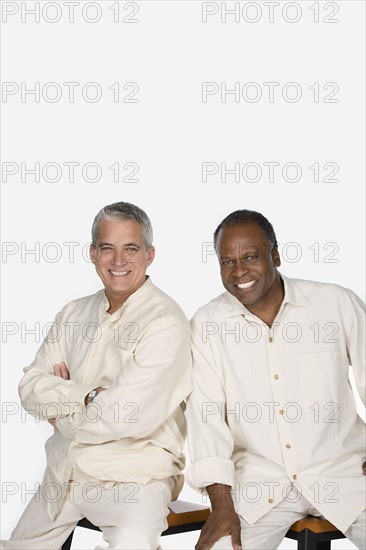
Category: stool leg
<point>302,541</point>
<point>308,541</point>
<point>67,544</point>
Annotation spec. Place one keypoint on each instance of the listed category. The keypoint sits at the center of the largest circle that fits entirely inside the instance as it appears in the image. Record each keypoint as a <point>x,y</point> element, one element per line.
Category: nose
<point>119,256</point>
<point>240,269</point>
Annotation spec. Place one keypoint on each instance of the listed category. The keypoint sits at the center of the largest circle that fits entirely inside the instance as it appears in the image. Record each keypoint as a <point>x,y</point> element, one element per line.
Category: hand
<point>364,468</point>
<point>61,370</point>
<point>53,421</point>
<point>220,524</point>
<point>223,520</point>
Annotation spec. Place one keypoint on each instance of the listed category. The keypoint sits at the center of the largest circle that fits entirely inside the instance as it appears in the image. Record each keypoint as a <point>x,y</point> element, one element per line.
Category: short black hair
<point>240,217</point>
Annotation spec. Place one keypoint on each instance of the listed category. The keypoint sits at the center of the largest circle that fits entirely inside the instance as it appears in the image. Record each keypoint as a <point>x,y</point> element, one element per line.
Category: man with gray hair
<point>114,398</point>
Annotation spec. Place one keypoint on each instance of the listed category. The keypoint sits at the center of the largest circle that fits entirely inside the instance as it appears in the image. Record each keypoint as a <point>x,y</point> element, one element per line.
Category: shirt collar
<point>143,289</point>
<point>229,306</point>
<point>293,293</point>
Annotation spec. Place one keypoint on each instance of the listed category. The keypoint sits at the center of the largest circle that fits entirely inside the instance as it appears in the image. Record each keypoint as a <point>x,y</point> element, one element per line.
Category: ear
<point>276,257</point>
<point>93,253</point>
<point>150,255</point>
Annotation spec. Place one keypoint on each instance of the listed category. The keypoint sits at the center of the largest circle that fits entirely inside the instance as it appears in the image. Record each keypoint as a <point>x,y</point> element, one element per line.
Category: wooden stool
<point>184,517</point>
<point>314,533</point>
<point>311,533</point>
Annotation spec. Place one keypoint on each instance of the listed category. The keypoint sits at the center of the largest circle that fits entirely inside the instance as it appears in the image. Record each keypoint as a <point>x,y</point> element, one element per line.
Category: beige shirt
<point>273,408</point>
<point>135,430</point>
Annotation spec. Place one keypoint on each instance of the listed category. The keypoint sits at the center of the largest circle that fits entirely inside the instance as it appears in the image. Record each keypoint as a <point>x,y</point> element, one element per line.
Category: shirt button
<point>271,339</point>
<point>294,476</point>
<point>270,500</point>
<point>281,411</point>
<point>276,377</point>
<point>288,446</point>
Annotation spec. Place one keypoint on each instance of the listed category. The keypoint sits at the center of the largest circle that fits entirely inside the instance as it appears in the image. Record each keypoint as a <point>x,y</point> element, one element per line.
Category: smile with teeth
<point>119,273</point>
<point>246,285</point>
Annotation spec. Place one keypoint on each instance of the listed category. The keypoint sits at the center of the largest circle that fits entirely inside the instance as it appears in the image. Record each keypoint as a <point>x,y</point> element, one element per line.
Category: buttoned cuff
<point>66,425</point>
<point>211,470</point>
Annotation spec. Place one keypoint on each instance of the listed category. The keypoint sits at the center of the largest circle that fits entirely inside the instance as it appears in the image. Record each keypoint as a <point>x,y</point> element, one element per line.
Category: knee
<point>126,539</point>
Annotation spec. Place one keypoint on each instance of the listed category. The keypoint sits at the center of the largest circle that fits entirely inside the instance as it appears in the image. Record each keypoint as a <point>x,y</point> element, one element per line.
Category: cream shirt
<point>273,408</point>
<point>135,430</point>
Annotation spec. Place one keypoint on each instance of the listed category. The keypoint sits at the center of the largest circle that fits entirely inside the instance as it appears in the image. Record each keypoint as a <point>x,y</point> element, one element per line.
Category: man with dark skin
<point>225,370</point>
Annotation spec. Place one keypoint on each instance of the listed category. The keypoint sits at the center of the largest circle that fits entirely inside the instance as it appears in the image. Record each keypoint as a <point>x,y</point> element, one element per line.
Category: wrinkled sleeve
<point>47,396</point>
<point>210,441</point>
<point>154,381</point>
<point>355,318</point>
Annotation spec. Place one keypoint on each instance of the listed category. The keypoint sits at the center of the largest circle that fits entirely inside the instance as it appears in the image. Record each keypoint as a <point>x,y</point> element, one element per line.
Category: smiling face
<point>121,259</point>
<point>249,268</point>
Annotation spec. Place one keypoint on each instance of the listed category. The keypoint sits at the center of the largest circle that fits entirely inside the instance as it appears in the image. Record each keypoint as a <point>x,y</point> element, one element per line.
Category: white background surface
<point>169,133</point>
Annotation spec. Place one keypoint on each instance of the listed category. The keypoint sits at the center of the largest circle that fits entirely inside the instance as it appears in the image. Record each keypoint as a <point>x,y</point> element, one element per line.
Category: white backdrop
<point>190,110</point>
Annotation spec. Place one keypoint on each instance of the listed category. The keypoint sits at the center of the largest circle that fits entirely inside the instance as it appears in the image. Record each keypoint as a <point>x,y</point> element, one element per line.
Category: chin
<point>246,300</point>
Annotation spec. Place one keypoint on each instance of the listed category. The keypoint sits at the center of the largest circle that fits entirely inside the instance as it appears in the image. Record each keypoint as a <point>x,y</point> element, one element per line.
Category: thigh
<point>131,515</point>
<point>356,533</point>
<point>36,529</point>
<point>268,531</point>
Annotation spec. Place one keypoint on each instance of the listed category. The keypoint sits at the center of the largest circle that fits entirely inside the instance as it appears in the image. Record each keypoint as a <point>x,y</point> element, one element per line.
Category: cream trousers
<point>132,516</point>
<point>269,531</point>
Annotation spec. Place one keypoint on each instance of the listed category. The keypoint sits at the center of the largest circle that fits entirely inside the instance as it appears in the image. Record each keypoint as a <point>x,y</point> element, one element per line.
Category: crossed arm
<point>163,353</point>
<point>62,371</point>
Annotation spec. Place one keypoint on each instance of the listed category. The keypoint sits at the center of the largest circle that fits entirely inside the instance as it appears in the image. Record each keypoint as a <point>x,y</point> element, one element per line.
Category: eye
<point>106,247</point>
<point>251,257</point>
<point>131,249</point>
<point>227,262</point>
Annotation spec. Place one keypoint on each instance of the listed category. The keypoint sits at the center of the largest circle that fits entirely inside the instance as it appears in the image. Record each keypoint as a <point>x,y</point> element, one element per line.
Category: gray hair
<point>123,211</point>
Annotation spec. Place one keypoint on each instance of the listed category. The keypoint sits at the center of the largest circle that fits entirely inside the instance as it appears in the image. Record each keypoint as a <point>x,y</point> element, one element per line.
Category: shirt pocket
<point>332,357</point>
<point>126,336</point>
<point>114,363</point>
<point>323,375</point>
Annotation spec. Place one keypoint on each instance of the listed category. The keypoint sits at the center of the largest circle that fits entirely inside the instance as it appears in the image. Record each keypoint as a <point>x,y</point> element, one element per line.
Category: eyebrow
<point>233,256</point>
<point>250,248</point>
<point>228,254</point>
<point>104,243</point>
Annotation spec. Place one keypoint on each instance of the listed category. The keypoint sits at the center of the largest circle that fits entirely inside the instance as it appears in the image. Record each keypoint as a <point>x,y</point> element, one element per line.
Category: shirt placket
<point>279,386</point>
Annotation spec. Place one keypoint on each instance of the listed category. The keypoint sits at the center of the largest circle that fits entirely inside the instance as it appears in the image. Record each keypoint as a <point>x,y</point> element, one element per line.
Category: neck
<point>113,306</point>
<point>116,300</point>
<point>270,306</point>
